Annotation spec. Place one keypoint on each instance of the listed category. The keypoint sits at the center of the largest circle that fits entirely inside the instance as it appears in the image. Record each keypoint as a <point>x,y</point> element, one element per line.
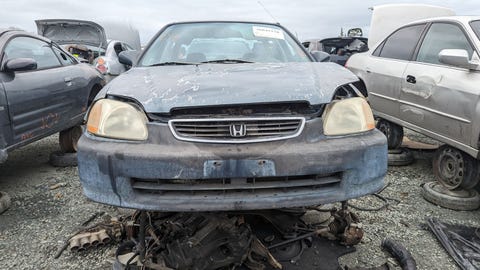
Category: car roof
<point>460,19</point>
<point>5,30</point>
<point>226,21</point>
<point>23,33</point>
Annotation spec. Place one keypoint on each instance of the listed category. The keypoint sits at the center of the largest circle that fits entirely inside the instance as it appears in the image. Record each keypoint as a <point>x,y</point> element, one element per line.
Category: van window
<point>402,43</point>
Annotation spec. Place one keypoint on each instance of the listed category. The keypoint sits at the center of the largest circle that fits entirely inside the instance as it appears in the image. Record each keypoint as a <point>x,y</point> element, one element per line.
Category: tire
<point>455,169</point>
<point>5,202</point>
<point>392,131</point>
<point>61,159</point>
<point>400,157</point>
<point>465,200</point>
<point>68,139</point>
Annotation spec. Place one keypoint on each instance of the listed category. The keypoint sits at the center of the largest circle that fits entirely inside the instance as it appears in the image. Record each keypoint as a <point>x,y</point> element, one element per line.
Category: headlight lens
<point>348,116</point>
<point>118,120</point>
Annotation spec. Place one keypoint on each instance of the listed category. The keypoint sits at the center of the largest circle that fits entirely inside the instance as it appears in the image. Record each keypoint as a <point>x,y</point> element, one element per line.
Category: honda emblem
<point>239,130</point>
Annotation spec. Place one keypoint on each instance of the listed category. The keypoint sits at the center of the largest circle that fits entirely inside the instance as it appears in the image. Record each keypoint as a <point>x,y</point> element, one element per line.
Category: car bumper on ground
<point>165,174</point>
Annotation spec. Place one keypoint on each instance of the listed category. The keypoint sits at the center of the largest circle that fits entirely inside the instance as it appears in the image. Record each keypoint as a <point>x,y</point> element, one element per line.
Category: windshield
<point>223,43</point>
<point>476,28</point>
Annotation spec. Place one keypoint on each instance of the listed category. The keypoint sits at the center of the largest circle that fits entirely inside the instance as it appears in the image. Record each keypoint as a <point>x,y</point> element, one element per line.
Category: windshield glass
<point>223,42</point>
<point>476,28</point>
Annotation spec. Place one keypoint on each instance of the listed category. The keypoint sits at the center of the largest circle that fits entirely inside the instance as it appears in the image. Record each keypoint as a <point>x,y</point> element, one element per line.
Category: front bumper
<point>165,174</point>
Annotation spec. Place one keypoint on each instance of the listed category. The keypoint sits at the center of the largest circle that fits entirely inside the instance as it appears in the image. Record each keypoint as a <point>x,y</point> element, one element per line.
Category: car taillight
<point>101,65</point>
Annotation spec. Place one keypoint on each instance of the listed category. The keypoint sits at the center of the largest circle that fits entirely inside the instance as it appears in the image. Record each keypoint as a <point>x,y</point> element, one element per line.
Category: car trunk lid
<point>64,31</point>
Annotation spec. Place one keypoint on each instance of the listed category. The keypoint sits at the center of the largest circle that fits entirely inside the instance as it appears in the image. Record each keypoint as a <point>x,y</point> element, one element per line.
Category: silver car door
<point>385,70</point>
<point>437,98</point>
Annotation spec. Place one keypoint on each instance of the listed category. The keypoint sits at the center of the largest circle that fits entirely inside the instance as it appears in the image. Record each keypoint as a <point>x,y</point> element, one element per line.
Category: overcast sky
<point>305,18</point>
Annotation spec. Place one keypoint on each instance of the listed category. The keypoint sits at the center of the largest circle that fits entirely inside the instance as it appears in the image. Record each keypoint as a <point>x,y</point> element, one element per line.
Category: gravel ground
<point>41,218</point>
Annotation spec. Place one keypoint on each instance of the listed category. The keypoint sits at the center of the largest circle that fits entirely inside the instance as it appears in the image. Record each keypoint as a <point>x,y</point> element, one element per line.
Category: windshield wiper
<point>227,61</point>
<point>172,64</point>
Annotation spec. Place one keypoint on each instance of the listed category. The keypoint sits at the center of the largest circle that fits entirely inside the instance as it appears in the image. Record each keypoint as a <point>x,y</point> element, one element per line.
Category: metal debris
<point>204,241</point>
<point>57,185</point>
<point>97,235</point>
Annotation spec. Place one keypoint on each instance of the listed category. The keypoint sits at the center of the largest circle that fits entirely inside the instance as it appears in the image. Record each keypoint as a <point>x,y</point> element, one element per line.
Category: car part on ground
<point>5,201</point>
<point>62,159</point>
<point>460,241</point>
<point>392,131</point>
<point>400,253</point>
<point>416,145</point>
<point>454,168</point>
<point>216,240</point>
<point>68,139</point>
<point>400,157</point>
<point>43,89</point>
<point>461,199</point>
<point>189,135</point>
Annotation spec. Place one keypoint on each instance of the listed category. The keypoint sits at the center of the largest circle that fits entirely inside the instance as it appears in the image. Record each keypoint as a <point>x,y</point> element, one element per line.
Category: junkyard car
<point>339,48</point>
<point>229,116</point>
<point>43,90</point>
<point>425,76</point>
<point>93,43</point>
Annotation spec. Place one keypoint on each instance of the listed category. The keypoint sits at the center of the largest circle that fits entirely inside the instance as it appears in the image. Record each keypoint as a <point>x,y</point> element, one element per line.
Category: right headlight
<point>118,120</point>
<point>347,116</point>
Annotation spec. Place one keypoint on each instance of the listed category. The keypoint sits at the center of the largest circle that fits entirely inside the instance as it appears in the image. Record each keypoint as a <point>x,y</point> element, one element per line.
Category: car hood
<point>159,89</point>
<point>64,31</point>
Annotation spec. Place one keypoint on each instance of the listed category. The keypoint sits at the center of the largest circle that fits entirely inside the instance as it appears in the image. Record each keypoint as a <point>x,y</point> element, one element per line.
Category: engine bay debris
<point>256,240</point>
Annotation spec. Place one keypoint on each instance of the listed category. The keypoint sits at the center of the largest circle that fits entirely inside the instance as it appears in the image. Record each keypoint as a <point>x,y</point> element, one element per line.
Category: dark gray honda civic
<point>229,116</point>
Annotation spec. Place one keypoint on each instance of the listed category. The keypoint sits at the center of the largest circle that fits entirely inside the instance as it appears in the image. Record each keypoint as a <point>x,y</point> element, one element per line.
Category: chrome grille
<point>236,130</point>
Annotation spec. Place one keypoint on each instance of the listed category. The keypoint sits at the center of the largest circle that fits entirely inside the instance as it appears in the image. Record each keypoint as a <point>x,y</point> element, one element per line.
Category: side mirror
<point>320,56</point>
<point>457,58</point>
<point>128,58</point>
<point>20,64</point>
<point>355,32</point>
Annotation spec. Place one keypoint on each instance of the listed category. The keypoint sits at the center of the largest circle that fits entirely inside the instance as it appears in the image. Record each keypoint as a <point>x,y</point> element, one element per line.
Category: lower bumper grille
<point>235,185</point>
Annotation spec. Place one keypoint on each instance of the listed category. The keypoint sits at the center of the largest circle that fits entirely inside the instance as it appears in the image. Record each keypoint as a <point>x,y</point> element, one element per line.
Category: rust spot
<point>49,120</point>
<point>26,136</point>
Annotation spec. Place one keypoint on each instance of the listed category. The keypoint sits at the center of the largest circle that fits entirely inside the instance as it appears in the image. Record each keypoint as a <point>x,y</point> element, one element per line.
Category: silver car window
<point>442,36</point>
<point>402,43</point>
<point>26,47</point>
<point>476,27</point>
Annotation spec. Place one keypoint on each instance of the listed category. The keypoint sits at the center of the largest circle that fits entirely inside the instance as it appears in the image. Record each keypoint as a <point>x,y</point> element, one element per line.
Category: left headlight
<point>117,120</point>
<point>347,116</point>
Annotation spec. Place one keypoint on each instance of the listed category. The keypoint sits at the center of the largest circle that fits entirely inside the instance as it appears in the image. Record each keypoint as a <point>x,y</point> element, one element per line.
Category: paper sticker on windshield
<point>267,32</point>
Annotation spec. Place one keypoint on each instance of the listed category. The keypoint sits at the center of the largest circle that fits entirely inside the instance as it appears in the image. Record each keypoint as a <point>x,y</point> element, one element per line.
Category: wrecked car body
<point>93,43</point>
<point>229,116</point>
<point>339,48</point>
<point>43,90</point>
<point>425,76</point>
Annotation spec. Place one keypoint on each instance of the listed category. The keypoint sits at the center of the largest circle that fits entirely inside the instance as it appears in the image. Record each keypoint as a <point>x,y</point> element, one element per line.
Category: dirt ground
<point>40,218</point>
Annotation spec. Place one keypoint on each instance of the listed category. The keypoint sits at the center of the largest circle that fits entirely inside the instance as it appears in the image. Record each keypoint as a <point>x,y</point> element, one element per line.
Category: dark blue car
<point>43,90</point>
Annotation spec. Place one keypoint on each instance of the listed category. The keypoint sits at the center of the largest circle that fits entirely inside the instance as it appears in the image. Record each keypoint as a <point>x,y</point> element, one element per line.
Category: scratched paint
<point>159,89</point>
